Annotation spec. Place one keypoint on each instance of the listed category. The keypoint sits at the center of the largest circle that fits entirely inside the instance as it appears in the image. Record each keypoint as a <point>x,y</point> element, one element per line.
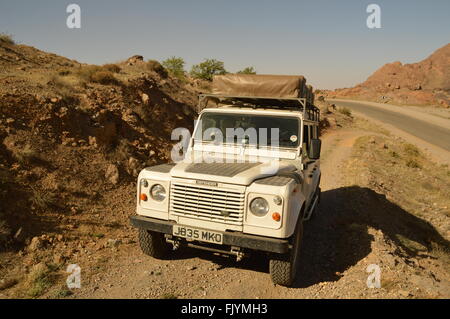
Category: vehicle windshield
<point>251,129</point>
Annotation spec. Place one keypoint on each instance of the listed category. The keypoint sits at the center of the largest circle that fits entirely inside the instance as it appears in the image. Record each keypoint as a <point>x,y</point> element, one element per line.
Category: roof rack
<point>310,112</point>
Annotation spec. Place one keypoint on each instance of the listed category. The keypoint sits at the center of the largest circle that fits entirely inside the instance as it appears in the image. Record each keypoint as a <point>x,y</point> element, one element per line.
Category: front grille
<point>205,203</point>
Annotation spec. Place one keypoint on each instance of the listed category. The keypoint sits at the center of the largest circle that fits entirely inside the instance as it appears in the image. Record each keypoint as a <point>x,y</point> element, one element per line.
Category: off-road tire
<point>283,268</point>
<point>153,244</point>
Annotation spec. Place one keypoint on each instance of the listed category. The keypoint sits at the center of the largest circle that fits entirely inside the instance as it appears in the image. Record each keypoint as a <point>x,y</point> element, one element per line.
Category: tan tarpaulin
<point>282,86</point>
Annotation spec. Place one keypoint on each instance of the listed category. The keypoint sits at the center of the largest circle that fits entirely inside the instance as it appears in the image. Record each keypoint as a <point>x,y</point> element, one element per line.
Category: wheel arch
<point>299,213</point>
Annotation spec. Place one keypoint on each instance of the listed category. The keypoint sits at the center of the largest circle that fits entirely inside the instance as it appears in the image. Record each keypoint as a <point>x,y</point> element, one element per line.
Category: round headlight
<point>259,206</point>
<point>158,192</point>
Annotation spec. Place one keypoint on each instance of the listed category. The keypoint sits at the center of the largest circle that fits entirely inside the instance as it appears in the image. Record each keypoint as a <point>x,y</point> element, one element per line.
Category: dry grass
<point>8,283</point>
<point>410,181</point>
<point>62,86</point>
<point>26,155</point>
<point>114,68</point>
<point>62,292</point>
<point>413,163</point>
<point>42,199</point>
<point>345,111</point>
<point>40,280</point>
<point>169,296</point>
<point>122,151</point>
<point>441,252</point>
<point>389,283</point>
<point>412,156</point>
<point>5,232</point>
<point>411,150</point>
<point>97,74</point>
<point>104,77</point>
<point>4,229</point>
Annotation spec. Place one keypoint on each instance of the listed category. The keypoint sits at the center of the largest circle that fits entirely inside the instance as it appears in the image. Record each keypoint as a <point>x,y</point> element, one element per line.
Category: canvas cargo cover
<point>280,86</point>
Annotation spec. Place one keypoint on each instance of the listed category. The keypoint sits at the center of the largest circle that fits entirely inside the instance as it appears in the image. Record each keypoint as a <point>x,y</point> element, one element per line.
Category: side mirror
<point>314,149</point>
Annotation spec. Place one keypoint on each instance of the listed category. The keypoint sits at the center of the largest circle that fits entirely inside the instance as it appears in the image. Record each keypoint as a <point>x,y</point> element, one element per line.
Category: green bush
<point>175,66</point>
<point>207,69</point>
<point>247,70</point>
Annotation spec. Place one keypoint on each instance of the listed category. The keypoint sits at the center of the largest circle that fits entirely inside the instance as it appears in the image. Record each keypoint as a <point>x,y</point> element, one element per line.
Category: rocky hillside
<point>73,138</point>
<point>423,83</point>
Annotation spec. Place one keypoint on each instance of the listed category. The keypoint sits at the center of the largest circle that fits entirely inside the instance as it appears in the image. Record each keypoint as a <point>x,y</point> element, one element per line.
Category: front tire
<point>283,268</point>
<point>153,244</point>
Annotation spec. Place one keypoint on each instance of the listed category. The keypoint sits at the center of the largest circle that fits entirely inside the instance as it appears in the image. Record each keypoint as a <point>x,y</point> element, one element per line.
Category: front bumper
<point>273,245</point>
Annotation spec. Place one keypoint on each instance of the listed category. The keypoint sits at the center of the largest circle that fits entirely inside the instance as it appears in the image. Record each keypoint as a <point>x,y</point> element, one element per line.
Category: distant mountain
<point>423,83</point>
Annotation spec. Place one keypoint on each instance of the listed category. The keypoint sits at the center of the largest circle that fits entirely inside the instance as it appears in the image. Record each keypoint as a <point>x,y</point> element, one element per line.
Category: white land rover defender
<point>235,191</point>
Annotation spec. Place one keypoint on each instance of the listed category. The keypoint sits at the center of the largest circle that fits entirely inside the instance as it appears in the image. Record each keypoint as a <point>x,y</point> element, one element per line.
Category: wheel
<point>283,268</point>
<point>153,244</point>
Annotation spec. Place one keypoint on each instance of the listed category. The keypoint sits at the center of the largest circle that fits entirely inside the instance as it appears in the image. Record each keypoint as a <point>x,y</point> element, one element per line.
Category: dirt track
<point>195,274</point>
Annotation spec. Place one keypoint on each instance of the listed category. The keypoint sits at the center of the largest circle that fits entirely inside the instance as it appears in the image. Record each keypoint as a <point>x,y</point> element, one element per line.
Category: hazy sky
<point>327,41</point>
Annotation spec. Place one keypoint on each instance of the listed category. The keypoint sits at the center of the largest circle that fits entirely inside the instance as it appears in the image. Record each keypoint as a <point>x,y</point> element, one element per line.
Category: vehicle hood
<point>232,173</point>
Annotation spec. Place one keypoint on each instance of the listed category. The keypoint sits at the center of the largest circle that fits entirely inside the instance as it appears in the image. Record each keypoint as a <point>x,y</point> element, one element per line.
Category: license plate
<point>197,234</point>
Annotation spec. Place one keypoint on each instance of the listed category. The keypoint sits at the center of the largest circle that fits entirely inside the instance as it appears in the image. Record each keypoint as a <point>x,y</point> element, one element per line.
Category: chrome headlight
<point>259,206</point>
<point>158,192</point>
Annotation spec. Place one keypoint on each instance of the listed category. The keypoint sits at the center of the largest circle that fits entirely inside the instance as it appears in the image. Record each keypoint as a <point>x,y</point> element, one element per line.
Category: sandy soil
<point>195,274</point>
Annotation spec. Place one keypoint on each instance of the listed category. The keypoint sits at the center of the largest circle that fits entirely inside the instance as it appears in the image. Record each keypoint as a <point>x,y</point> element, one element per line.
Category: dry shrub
<point>39,280</point>
<point>97,74</point>
<point>6,38</point>
<point>5,232</point>
<point>26,155</point>
<point>104,77</point>
<point>114,68</point>
<point>411,150</point>
<point>412,156</point>
<point>345,111</point>
<point>42,199</point>
<point>412,163</point>
<point>122,151</point>
<point>157,67</point>
<point>64,72</point>
<point>62,87</point>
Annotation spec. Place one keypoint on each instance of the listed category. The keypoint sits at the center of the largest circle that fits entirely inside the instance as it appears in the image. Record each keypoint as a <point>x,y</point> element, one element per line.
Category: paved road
<point>433,134</point>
